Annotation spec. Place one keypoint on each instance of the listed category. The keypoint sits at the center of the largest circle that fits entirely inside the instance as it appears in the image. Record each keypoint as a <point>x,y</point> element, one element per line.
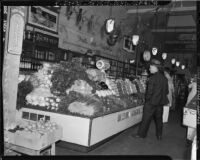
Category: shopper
<point>170,87</point>
<point>156,98</point>
<point>182,93</point>
<point>192,99</point>
<point>192,96</point>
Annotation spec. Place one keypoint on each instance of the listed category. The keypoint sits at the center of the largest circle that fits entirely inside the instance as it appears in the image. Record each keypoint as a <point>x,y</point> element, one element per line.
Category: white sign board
<point>15,34</point>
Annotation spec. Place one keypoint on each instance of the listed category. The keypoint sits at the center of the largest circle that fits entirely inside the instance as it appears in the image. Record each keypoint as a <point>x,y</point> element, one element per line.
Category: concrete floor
<point>173,143</point>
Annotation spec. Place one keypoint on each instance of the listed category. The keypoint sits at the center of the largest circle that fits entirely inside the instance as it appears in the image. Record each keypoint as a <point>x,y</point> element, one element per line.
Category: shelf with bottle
<point>46,54</point>
<point>29,65</point>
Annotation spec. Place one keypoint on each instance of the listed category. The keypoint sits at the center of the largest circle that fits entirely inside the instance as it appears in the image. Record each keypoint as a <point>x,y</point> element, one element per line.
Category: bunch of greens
<point>24,88</point>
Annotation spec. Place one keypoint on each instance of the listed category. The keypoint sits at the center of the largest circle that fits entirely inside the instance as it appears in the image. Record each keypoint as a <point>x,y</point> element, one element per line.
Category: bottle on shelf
<point>65,56</point>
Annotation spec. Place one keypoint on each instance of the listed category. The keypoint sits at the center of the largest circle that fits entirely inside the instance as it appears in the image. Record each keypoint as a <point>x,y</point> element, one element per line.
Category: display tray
<point>189,117</point>
<point>88,132</point>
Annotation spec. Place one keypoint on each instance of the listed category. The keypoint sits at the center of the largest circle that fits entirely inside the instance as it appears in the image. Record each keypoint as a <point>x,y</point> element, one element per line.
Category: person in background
<point>192,98</point>
<point>155,99</point>
<point>170,87</point>
<point>182,96</point>
<point>182,92</point>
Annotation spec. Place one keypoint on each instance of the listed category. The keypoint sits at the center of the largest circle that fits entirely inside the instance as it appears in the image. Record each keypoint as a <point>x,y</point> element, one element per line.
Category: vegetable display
<point>70,88</point>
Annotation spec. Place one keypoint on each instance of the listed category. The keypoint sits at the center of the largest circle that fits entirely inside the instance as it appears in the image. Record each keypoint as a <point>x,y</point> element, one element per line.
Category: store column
<point>12,53</point>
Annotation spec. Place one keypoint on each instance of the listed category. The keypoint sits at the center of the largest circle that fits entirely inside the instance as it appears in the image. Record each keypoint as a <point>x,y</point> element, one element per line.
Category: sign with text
<point>128,114</point>
<point>15,34</point>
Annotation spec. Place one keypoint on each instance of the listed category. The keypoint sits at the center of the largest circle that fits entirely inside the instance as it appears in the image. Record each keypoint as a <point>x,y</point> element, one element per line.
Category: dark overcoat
<point>157,90</point>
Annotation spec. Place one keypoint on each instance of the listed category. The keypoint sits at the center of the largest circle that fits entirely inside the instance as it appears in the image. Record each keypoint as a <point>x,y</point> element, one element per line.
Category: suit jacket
<point>157,90</point>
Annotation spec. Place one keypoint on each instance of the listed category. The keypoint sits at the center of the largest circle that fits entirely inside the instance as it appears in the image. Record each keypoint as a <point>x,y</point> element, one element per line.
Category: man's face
<point>153,69</point>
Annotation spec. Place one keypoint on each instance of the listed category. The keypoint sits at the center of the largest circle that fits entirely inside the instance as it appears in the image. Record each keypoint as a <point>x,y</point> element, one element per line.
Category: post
<point>12,53</point>
<point>136,59</point>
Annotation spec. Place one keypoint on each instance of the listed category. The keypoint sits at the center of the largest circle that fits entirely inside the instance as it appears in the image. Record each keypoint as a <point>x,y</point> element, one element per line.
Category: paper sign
<point>15,34</point>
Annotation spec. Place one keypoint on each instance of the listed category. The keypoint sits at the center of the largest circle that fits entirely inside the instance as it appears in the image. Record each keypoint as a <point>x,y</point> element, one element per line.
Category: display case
<point>81,100</point>
<point>93,130</point>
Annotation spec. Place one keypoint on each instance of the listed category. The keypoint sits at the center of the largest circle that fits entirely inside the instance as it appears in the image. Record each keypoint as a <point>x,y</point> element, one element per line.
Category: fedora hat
<point>155,62</point>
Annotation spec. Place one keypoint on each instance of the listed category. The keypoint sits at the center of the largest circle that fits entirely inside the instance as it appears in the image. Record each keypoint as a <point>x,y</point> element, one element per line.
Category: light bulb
<point>135,39</point>
<point>164,55</point>
<point>154,51</point>
<point>110,25</point>
<point>183,67</point>
<point>173,60</point>
<point>177,63</point>
<point>132,61</point>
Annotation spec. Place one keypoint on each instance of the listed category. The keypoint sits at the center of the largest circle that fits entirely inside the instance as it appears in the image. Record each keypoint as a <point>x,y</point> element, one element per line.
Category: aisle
<point>173,143</point>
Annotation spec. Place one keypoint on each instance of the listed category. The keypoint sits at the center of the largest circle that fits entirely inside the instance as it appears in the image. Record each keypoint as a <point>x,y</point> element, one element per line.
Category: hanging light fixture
<point>110,25</point>
<point>146,55</point>
<point>164,56</point>
<point>177,63</point>
<point>183,67</point>
<point>154,50</point>
<point>135,38</point>
<point>173,61</point>
<point>110,22</point>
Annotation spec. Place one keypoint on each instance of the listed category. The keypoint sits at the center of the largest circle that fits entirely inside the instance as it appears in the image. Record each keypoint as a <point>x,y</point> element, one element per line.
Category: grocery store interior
<point>77,78</point>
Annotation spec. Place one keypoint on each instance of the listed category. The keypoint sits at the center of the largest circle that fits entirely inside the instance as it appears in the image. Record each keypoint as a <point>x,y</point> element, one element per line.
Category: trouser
<point>149,112</point>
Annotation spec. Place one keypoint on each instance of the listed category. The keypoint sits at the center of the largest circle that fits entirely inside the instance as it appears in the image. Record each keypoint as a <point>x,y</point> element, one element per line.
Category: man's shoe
<point>159,138</point>
<point>137,136</point>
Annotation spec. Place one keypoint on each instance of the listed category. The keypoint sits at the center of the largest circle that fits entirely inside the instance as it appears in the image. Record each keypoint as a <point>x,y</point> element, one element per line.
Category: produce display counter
<point>90,131</point>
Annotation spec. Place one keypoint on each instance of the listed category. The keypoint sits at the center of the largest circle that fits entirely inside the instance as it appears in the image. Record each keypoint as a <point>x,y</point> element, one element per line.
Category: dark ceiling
<point>171,27</point>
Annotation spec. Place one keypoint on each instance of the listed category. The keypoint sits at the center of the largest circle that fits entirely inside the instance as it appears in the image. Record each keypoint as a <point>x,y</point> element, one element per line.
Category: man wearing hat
<point>155,99</point>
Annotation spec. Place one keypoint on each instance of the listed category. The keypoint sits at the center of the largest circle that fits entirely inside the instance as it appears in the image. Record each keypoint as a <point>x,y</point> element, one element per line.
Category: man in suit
<point>155,99</point>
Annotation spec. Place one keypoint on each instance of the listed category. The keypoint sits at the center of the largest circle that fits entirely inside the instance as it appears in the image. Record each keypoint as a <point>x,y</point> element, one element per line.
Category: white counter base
<point>88,132</point>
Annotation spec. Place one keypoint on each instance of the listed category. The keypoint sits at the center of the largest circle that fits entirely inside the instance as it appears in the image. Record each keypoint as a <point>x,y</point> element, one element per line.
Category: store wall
<point>87,32</point>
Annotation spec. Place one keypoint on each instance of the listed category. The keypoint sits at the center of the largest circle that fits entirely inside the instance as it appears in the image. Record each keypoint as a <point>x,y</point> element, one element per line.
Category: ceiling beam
<point>153,9</point>
<point>181,42</point>
<point>175,30</point>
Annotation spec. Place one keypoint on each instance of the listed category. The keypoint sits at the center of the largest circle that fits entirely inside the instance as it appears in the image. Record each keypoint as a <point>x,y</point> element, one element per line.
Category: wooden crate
<point>15,150</point>
<point>34,141</point>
